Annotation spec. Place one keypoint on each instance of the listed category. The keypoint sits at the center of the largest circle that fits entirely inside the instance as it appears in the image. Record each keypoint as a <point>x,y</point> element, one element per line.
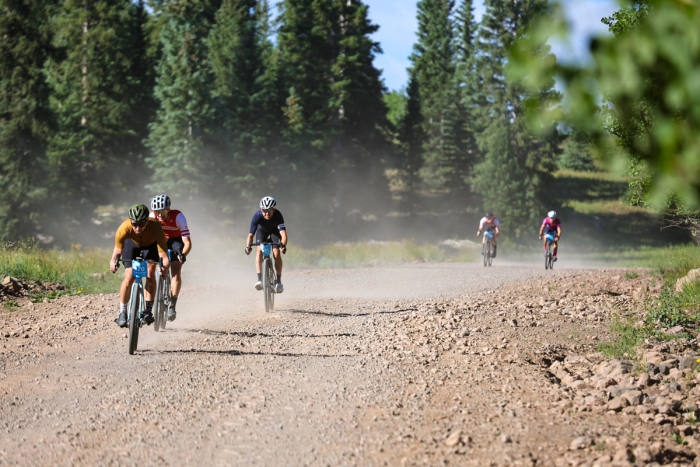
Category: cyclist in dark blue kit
<point>268,226</point>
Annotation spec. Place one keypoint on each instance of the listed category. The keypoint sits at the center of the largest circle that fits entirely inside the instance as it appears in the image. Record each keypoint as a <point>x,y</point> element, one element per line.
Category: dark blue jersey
<point>275,224</point>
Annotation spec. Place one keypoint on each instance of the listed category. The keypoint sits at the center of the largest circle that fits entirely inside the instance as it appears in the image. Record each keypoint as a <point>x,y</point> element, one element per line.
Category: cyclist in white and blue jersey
<point>268,226</point>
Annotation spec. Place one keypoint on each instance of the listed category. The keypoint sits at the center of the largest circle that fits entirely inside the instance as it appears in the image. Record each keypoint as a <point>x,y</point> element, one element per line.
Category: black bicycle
<point>549,252</point>
<point>487,248</point>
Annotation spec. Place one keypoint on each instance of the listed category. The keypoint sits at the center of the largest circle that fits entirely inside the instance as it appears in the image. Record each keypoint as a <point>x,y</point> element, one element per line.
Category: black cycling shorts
<point>262,235</point>
<point>177,245</point>
<point>132,251</point>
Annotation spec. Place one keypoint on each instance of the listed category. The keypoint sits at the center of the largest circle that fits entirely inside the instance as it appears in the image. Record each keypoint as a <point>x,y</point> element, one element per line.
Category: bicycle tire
<point>547,254</point>
<point>273,281</point>
<point>157,309</point>
<point>165,297</point>
<point>267,287</point>
<point>551,257</point>
<point>134,311</point>
<point>485,253</point>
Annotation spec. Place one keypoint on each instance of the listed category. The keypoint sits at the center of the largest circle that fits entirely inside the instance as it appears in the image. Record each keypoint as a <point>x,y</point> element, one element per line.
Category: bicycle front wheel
<point>157,308</point>
<point>490,248</point>
<point>272,280</point>
<point>485,253</point>
<point>165,299</point>
<point>267,284</point>
<point>134,321</point>
<point>547,255</point>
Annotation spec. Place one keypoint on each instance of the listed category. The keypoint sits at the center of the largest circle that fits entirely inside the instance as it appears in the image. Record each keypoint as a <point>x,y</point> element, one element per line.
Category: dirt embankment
<point>505,372</point>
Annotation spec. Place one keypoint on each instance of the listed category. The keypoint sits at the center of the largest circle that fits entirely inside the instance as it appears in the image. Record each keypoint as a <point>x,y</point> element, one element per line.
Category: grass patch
<point>343,255</point>
<point>27,261</point>
<point>631,275</point>
<point>615,207</point>
<point>603,176</point>
<point>676,260</point>
<point>627,338</point>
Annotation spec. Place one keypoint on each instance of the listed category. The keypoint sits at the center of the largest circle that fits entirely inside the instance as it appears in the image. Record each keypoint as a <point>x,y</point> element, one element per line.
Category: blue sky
<point>397,32</point>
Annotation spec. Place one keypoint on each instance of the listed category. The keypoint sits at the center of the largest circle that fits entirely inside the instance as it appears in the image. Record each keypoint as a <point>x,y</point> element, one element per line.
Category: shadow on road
<point>255,334</point>
<point>234,352</point>
<point>348,315</point>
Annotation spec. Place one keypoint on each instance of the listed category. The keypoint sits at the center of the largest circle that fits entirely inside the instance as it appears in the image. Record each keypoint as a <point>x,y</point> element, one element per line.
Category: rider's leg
<point>176,268</point>
<point>125,289</point>
<point>556,247</point>
<point>150,283</point>
<point>278,263</point>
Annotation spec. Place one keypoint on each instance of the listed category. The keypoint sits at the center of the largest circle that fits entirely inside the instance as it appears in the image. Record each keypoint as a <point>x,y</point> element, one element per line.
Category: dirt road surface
<point>428,364</point>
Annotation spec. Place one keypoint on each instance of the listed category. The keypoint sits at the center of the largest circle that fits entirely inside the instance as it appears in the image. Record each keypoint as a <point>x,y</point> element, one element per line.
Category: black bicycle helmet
<point>488,214</point>
<point>138,212</point>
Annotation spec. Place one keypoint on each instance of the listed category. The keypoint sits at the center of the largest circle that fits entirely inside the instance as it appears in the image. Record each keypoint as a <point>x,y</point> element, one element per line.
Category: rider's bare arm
<point>283,236</point>
<point>187,241</point>
<point>112,263</point>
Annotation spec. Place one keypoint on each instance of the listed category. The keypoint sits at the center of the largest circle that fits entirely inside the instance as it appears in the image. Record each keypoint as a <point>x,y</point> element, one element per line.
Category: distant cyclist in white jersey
<point>489,223</point>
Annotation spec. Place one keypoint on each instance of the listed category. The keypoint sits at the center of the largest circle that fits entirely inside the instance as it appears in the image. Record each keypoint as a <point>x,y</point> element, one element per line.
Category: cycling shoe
<point>172,314</point>
<point>121,320</point>
<point>554,259</point>
<point>148,317</point>
<point>258,285</point>
<point>279,288</point>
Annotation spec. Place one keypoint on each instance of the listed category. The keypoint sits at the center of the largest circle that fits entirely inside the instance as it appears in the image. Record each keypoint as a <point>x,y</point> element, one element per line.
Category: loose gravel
<point>423,364</point>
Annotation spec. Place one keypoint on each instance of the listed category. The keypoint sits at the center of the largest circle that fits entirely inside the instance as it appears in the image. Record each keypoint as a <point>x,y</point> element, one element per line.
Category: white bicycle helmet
<point>552,214</point>
<point>160,202</point>
<point>268,202</point>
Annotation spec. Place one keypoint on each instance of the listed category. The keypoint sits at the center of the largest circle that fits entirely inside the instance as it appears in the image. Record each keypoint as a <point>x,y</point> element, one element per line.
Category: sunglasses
<point>267,211</point>
<point>138,224</point>
<point>161,212</point>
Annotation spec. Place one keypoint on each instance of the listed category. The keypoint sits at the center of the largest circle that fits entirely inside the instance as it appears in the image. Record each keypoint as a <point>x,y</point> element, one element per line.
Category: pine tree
<point>97,96</point>
<point>466,99</point>
<point>335,100</point>
<point>434,66</point>
<point>529,158</point>
<point>248,107</point>
<point>358,112</point>
<point>180,138</point>
<point>25,117</point>
<point>413,138</point>
<point>507,186</point>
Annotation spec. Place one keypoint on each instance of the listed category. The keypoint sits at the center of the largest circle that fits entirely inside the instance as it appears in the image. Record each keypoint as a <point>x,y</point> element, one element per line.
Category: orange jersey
<point>153,233</point>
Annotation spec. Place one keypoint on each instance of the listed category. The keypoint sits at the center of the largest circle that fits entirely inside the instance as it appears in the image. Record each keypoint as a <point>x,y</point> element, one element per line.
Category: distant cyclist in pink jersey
<point>490,223</point>
<point>551,225</point>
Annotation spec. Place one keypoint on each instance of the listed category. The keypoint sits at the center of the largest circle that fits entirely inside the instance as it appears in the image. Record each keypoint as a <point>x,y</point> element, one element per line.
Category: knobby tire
<point>485,253</point>
<point>267,286</point>
<point>134,309</point>
<point>490,252</point>
<point>157,308</point>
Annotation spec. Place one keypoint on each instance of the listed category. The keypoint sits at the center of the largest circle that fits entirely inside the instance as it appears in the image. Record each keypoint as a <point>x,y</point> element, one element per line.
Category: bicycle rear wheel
<point>267,285</point>
<point>134,321</point>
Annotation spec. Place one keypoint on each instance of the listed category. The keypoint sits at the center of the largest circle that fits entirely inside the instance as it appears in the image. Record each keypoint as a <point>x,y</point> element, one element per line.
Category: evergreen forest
<point>220,102</point>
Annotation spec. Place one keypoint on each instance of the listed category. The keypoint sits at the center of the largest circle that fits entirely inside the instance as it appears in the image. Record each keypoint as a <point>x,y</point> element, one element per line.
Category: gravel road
<point>414,365</point>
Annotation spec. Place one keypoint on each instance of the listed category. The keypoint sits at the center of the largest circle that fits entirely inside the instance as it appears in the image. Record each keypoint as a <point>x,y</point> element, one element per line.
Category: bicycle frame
<point>269,274</point>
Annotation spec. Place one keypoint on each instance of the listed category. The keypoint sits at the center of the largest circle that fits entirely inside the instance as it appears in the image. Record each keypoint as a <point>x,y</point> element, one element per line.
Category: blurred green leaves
<point>637,99</point>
